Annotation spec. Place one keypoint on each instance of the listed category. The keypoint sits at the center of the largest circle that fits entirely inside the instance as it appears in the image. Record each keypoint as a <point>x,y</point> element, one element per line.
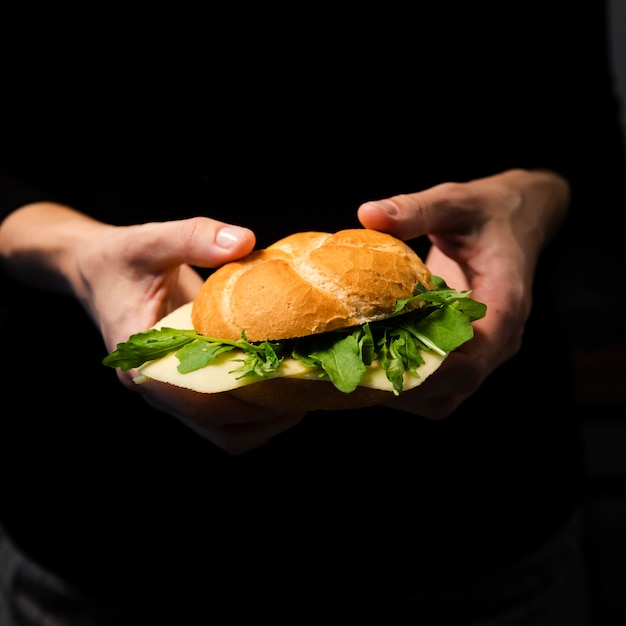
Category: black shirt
<point>285,123</point>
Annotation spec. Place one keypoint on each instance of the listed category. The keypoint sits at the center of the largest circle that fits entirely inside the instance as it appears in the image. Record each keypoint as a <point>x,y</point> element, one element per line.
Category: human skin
<point>487,235</point>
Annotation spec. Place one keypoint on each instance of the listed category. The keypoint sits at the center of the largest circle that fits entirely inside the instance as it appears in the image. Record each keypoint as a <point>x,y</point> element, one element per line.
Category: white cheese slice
<point>221,375</point>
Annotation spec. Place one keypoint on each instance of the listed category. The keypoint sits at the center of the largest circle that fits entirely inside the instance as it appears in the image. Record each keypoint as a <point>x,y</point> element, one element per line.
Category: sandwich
<point>314,321</point>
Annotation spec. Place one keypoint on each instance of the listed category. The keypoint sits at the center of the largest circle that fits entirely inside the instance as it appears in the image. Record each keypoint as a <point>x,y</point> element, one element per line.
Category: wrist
<point>39,244</point>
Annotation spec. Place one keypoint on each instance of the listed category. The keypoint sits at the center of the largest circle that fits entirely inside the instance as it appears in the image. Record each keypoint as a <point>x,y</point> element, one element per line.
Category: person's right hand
<point>129,277</point>
<point>487,235</point>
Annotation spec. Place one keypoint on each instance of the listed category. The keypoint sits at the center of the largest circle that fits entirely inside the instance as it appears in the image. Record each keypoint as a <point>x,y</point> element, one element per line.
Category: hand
<point>130,277</point>
<point>486,235</point>
<point>127,278</point>
<point>148,265</point>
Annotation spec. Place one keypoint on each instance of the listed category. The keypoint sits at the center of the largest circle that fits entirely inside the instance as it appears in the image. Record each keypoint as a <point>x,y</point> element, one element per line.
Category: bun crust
<point>308,283</point>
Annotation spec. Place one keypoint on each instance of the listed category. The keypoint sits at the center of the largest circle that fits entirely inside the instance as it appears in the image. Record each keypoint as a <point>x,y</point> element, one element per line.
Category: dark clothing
<point>543,588</point>
<point>286,123</point>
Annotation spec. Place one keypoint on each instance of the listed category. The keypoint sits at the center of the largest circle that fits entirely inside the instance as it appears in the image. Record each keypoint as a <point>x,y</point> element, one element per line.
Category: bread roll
<point>309,283</point>
<point>304,284</point>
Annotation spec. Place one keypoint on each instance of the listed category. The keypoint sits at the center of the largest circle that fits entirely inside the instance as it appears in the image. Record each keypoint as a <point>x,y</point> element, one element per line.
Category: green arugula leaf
<point>199,354</point>
<point>447,328</point>
<point>148,345</point>
<point>446,296</point>
<point>341,360</point>
<point>367,344</point>
<point>441,324</point>
<point>390,348</point>
<point>261,360</point>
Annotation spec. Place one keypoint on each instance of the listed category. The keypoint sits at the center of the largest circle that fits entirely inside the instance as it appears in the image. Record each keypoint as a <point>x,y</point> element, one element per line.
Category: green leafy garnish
<point>340,357</point>
<point>441,324</point>
<point>193,350</point>
<point>148,346</point>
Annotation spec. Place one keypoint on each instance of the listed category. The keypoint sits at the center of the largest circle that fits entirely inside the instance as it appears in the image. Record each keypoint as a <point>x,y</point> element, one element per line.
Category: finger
<point>435,409</point>
<point>239,438</point>
<point>233,425</point>
<point>205,409</point>
<point>447,267</point>
<point>199,241</point>
<point>444,390</point>
<point>445,208</point>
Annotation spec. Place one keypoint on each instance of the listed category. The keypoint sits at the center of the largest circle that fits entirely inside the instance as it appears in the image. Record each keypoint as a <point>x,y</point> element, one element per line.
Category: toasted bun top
<point>308,283</point>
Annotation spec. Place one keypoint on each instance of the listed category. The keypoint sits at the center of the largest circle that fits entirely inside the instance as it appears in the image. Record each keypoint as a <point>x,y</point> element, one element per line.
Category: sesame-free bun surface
<point>308,283</point>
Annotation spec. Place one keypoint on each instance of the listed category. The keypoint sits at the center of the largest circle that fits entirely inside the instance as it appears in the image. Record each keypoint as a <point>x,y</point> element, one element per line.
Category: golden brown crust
<point>299,394</point>
<point>308,283</point>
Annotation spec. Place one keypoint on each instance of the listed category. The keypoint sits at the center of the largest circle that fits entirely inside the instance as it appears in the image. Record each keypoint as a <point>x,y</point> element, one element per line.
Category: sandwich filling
<point>394,354</point>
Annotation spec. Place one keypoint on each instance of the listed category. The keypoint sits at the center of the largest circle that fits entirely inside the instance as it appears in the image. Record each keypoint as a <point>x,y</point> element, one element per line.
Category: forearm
<point>39,244</point>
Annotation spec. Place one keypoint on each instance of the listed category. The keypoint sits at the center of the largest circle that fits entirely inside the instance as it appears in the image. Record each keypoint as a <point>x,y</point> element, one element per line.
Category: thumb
<point>199,241</point>
<point>436,210</point>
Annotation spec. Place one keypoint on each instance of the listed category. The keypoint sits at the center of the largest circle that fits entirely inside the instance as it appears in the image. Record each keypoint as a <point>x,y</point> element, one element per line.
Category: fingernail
<point>386,205</point>
<point>228,236</point>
